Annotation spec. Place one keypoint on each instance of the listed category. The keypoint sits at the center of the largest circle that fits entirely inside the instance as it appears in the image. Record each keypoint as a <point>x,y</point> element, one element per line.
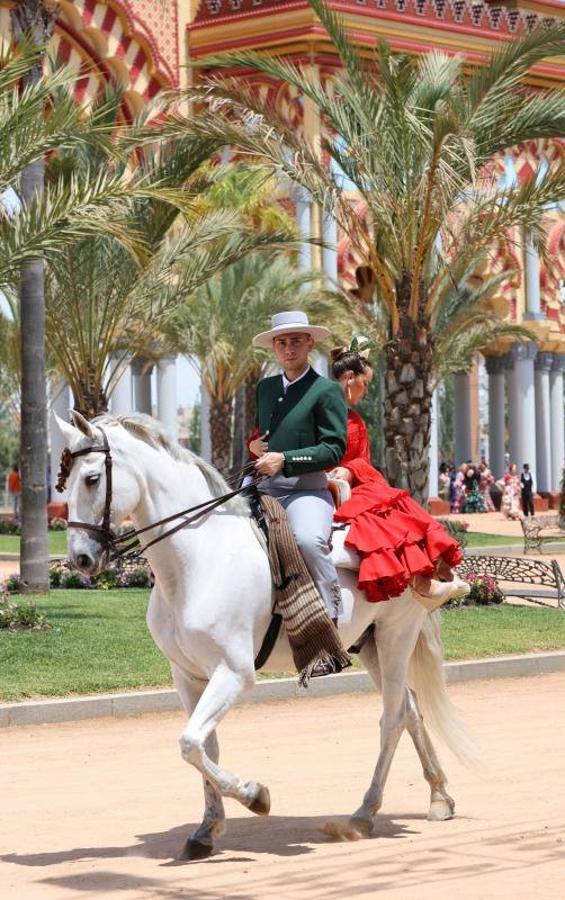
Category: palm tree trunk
<point>91,399</point>
<point>32,17</point>
<point>239,433</point>
<point>221,434</point>
<point>408,401</point>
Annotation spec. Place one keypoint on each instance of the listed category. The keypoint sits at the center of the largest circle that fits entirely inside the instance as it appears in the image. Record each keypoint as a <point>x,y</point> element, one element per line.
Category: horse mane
<point>148,429</point>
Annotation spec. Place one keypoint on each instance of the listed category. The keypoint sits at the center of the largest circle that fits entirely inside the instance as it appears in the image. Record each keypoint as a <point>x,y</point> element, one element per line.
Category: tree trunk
<point>92,399</point>
<point>239,432</point>
<point>221,434</point>
<point>32,17</point>
<point>251,402</point>
<point>408,401</point>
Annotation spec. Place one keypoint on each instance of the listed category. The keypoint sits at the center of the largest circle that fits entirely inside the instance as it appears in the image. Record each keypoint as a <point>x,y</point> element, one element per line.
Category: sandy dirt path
<point>98,809</point>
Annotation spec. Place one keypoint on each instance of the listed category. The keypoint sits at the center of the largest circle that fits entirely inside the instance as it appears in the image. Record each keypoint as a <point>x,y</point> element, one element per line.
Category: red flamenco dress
<point>395,538</point>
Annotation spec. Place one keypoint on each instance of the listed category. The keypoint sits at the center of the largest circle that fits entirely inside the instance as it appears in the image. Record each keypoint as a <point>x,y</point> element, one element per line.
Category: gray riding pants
<point>310,514</point>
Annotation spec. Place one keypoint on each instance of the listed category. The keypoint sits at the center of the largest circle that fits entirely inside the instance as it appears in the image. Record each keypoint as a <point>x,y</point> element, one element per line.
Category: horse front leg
<point>200,843</point>
<point>221,692</point>
<point>442,806</point>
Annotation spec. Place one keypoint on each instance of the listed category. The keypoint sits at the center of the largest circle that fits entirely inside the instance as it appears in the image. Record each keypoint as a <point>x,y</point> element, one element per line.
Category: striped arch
<point>552,272</point>
<point>282,97</point>
<point>527,158</point>
<point>348,259</point>
<point>102,43</point>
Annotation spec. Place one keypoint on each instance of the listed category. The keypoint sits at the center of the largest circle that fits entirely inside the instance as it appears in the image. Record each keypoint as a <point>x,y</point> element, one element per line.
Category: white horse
<point>211,606</point>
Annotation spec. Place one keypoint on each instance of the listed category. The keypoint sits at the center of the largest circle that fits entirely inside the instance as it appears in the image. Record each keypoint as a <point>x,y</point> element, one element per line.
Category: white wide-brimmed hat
<point>286,322</point>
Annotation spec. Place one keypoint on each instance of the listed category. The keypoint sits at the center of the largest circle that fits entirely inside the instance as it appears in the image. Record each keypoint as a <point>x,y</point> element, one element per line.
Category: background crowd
<point>472,488</point>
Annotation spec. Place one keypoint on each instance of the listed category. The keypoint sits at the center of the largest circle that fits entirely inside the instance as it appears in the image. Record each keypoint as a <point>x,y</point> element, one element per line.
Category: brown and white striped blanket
<point>311,633</point>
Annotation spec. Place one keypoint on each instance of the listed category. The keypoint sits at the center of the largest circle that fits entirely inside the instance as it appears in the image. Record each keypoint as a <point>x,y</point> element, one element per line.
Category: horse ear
<point>69,432</point>
<point>83,425</point>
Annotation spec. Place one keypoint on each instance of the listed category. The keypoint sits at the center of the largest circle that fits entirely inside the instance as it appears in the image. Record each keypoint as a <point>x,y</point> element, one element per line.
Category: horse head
<point>102,490</point>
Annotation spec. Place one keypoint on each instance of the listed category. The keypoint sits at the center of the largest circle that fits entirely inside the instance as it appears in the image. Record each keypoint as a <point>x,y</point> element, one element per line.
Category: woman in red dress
<point>398,542</point>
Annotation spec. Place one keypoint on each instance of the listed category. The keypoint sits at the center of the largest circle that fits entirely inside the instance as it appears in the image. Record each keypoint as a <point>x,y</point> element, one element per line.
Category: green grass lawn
<point>480,539</point>
<point>10,543</point>
<point>99,642</point>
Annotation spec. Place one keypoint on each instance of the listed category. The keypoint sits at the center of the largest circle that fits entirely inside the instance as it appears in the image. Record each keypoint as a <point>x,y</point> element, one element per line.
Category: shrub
<point>20,615</point>
<point>484,590</point>
<point>58,524</point>
<point>107,580</point>
<point>13,584</point>
<point>138,578</point>
<point>9,526</point>
<point>75,580</point>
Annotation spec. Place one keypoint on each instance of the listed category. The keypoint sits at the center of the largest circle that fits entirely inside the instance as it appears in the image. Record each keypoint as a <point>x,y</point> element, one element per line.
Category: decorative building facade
<point>144,45</point>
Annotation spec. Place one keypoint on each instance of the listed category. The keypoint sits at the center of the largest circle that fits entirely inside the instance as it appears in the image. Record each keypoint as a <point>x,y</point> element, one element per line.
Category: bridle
<point>120,546</point>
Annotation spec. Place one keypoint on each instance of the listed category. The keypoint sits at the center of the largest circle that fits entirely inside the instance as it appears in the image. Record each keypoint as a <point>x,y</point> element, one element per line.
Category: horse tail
<point>427,677</point>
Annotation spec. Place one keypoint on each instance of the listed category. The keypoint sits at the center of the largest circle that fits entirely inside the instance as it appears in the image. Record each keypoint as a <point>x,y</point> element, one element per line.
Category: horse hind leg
<point>442,806</point>
<point>387,664</point>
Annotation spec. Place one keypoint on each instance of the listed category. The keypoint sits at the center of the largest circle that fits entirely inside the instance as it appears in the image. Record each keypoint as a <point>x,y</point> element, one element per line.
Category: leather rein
<point>127,545</point>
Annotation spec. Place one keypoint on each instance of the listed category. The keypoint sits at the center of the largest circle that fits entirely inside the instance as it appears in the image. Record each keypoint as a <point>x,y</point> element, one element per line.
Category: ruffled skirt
<point>395,538</point>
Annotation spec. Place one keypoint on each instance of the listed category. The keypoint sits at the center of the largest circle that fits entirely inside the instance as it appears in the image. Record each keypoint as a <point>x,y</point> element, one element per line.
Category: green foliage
<point>20,615</point>
<point>416,136</point>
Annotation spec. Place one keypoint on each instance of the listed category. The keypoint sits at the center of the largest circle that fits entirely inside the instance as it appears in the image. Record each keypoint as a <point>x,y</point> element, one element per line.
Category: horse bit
<point>126,545</point>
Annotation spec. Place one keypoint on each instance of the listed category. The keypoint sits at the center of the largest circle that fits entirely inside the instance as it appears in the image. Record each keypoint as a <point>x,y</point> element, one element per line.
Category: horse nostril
<point>84,561</point>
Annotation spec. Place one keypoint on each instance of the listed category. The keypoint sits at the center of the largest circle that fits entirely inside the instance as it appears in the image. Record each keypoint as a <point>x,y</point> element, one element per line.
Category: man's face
<point>291,351</point>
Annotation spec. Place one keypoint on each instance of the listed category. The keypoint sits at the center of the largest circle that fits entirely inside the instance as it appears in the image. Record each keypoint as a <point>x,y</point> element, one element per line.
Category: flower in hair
<point>360,345</point>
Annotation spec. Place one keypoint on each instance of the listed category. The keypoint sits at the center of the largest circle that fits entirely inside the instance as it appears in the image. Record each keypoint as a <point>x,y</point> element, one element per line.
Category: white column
<point>462,417</point>
<point>556,415</point>
<point>121,400</point>
<point>205,438</point>
<point>141,372</point>
<point>433,479</point>
<point>304,222</point>
<point>167,394</point>
<point>522,408</point>
<point>59,402</point>
<point>543,364</point>
<point>532,280</point>
<point>329,254</point>
<point>496,367</point>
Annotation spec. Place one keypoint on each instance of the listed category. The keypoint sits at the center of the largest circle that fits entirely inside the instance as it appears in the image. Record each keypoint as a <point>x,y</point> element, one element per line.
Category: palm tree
<point>36,222</point>
<point>35,19</point>
<point>107,302</point>
<point>216,325</point>
<point>417,138</point>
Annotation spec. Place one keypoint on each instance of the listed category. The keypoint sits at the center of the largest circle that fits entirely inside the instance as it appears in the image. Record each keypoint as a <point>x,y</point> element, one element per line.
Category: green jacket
<point>308,423</point>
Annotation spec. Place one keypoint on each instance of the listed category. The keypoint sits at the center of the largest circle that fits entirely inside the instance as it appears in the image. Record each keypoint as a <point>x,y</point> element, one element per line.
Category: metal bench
<point>521,571</point>
<point>538,530</point>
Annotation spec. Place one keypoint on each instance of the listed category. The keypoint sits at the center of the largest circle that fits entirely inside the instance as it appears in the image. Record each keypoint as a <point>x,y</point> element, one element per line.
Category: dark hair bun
<point>337,353</point>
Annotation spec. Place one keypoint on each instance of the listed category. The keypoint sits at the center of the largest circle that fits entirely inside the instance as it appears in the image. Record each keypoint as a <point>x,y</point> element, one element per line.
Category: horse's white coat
<point>211,606</point>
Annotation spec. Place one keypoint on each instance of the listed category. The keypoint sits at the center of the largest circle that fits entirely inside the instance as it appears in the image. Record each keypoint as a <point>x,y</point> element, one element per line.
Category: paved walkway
<point>99,809</point>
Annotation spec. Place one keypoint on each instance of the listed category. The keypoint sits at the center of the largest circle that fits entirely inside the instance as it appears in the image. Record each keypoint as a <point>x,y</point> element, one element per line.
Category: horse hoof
<point>261,805</point>
<point>362,827</point>
<point>194,850</point>
<point>441,810</point>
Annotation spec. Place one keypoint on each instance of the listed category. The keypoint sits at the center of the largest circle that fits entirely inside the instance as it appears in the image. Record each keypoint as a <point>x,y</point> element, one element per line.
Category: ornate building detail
<point>131,43</point>
<point>481,17</point>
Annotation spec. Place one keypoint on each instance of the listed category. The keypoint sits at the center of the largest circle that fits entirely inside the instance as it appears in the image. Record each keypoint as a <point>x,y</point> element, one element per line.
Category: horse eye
<point>92,479</point>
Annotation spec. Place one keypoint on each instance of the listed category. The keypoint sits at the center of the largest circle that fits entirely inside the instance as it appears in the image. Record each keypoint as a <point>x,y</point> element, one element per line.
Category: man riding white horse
<point>302,423</point>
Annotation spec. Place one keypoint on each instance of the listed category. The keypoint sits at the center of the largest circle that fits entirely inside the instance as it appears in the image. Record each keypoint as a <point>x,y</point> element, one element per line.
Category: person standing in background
<point>15,489</point>
<point>527,483</point>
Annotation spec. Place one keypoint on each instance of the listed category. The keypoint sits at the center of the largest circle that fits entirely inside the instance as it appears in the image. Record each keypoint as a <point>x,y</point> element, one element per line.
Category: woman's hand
<point>342,473</point>
<point>270,464</point>
<point>259,446</point>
